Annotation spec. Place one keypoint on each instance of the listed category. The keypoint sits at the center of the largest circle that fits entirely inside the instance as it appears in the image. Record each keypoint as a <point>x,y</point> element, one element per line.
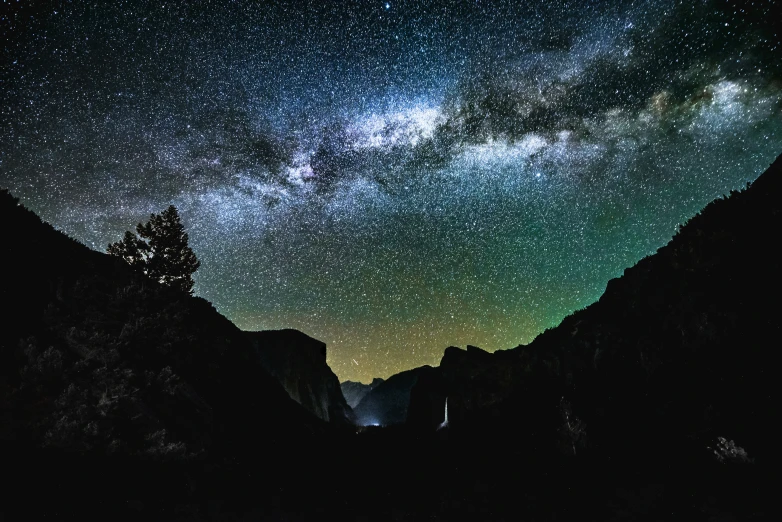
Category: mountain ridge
<point>355,391</point>
<point>653,361</point>
<point>387,404</point>
<point>97,357</point>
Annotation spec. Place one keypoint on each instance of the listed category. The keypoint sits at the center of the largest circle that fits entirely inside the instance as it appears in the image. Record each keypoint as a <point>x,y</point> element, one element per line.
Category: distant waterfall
<point>444,424</point>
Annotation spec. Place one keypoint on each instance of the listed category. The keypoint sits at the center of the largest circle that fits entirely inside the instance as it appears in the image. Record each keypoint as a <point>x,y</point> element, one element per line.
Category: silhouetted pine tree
<point>160,250</point>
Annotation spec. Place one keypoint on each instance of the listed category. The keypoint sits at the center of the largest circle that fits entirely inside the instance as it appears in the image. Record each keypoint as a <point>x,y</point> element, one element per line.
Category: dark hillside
<point>100,361</point>
<point>680,350</point>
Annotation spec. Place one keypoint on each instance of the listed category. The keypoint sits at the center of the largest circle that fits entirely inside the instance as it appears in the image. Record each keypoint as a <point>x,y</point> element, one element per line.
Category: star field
<point>391,177</point>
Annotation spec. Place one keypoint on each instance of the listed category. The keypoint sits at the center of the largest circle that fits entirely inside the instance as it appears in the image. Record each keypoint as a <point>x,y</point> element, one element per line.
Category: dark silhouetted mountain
<point>298,362</point>
<point>95,357</point>
<point>355,391</point>
<point>679,350</point>
<point>388,402</point>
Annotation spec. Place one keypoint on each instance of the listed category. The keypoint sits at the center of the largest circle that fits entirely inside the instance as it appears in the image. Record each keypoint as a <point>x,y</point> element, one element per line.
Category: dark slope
<point>387,404</point>
<point>355,391</point>
<point>97,360</point>
<point>679,350</point>
<point>91,341</point>
<point>298,362</point>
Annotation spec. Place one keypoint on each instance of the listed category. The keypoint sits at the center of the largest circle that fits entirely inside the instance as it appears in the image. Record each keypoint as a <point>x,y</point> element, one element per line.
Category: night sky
<point>390,177</point>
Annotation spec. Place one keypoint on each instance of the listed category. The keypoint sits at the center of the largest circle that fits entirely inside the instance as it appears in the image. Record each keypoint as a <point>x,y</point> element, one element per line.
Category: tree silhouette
<point>160,250</point>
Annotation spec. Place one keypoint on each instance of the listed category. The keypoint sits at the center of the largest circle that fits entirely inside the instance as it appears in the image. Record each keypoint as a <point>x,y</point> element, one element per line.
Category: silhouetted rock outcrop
<point>355,391</point>
<point>95,357</point>
<point>298,362</point>
<point>678,351</point>
<point>387,404</point>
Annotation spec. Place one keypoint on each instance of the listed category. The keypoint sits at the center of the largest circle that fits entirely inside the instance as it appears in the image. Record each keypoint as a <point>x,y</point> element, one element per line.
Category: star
<point>472,180</point>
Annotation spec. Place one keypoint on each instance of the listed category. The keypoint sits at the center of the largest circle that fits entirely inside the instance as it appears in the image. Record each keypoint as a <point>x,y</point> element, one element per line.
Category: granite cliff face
<point>355,391</point>
<point>387,404</point>
<point>677,352</point>
<point>298,362</point>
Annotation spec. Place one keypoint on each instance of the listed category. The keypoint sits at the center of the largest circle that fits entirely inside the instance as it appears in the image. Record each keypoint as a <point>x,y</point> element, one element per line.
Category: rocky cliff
<point>298,362</point>
<point>677,352</point>
<point>355,391</point>
<point>387,404</point>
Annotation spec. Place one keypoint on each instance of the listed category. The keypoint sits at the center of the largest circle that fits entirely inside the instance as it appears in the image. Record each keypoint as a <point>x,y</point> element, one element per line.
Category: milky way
<point>391,177</point>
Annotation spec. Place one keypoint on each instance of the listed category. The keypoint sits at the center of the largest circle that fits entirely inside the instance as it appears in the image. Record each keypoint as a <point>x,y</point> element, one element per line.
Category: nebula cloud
<point>392,178</point>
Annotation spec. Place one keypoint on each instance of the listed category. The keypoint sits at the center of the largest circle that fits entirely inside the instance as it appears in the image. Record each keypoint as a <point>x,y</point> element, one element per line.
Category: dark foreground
<point>389,474</point>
